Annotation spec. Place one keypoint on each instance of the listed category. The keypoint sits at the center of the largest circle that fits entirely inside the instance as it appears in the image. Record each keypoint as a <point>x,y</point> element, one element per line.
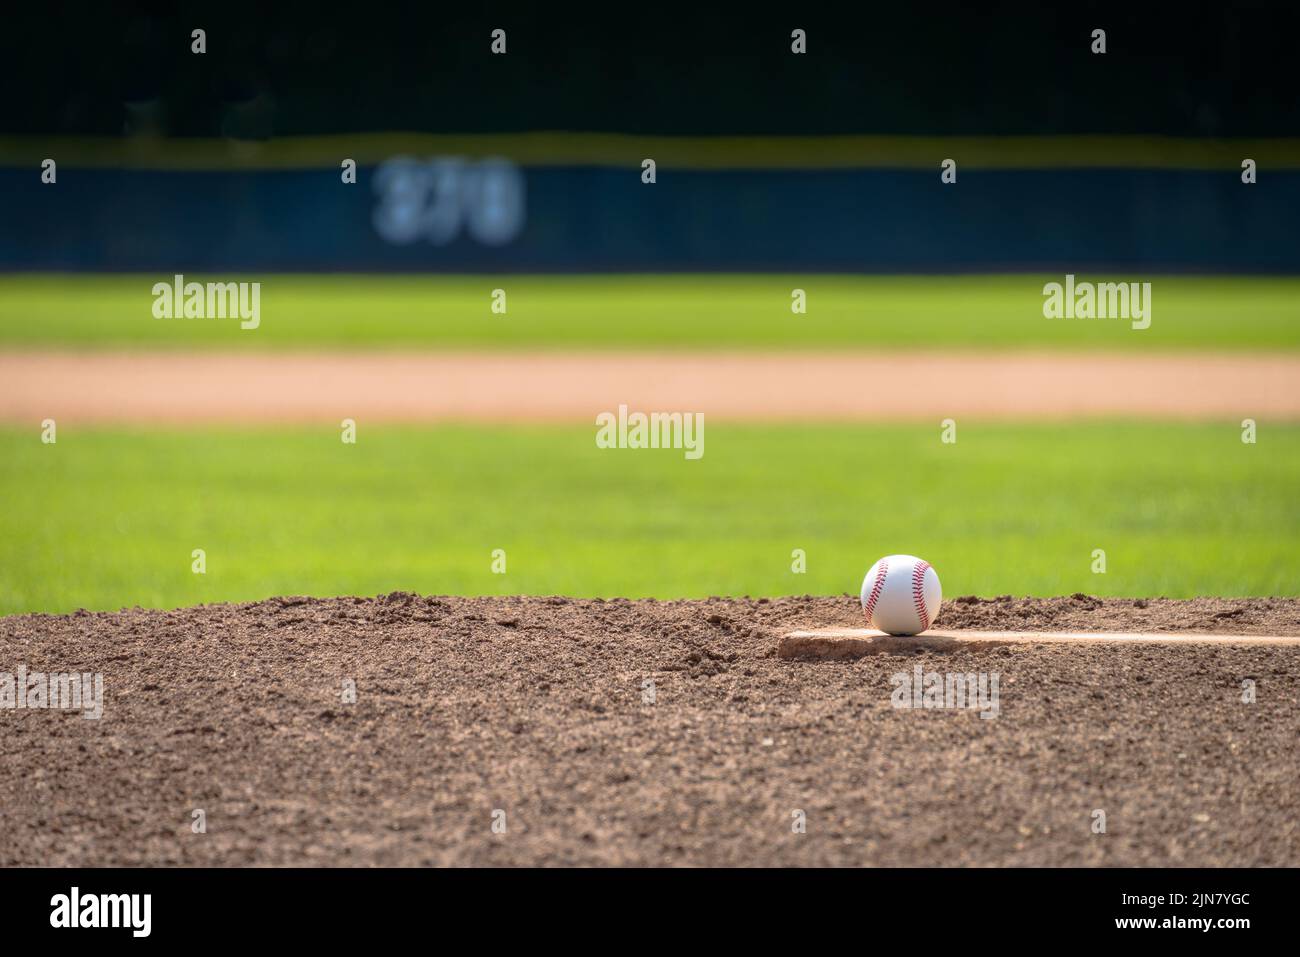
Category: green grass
<point>109,519</point>
<point>558,312</point>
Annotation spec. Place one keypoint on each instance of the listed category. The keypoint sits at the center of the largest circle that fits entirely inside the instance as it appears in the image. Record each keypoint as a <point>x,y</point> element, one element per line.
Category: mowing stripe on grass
<point>109,518</point>
<point>723,312</point>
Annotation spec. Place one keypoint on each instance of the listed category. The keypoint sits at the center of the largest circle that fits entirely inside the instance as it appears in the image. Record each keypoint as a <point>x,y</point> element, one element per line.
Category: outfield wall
<point>835,205</point>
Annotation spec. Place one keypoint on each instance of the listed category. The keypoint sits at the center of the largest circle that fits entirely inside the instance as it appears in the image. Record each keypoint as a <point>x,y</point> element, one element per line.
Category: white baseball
<point>901,595</point>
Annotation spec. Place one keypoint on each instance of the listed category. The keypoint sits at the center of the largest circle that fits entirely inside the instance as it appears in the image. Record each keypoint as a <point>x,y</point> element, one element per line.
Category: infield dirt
<point>167,387</point>
<point>540,708</point>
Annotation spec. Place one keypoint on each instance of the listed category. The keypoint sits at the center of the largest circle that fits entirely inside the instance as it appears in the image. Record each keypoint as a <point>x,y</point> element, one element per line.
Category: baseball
<point>901,595</point>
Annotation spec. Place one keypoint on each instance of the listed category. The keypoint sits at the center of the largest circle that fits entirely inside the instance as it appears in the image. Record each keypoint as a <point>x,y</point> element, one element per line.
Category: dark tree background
<point>1185,70</point>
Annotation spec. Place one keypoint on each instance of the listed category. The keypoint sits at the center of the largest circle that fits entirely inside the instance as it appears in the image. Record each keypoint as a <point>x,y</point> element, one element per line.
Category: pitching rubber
<point>831,644</point>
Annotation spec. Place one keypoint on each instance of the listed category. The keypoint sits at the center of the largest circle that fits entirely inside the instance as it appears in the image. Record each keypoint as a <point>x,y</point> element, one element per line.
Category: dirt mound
<point>1241,616</point>
<point>644,732</point>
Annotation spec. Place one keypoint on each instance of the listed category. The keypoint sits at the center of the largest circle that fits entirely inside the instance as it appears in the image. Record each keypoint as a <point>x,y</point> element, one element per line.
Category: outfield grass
<point>561,312</point>
<point>107,519</point>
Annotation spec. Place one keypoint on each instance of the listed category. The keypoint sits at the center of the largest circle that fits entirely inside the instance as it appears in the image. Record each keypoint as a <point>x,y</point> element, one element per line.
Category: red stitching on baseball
<point>918,593</point>
<point>881,572</point>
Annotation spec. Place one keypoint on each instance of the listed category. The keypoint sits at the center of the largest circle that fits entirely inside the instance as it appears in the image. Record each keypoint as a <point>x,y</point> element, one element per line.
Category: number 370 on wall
<point>437,200</point>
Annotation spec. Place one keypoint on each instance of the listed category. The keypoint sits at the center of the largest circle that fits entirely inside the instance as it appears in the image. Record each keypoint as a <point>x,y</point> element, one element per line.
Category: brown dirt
<point>166,387</point>
<point>535,706</point>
